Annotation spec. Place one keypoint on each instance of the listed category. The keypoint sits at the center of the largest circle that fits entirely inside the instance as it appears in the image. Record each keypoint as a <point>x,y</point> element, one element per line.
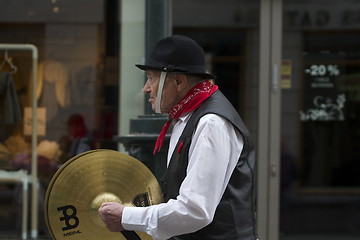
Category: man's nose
<point>147,87</point>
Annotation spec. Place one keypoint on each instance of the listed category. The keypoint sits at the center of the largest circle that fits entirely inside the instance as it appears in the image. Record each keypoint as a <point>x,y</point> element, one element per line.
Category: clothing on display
<point>11,106</point>
<point>53,91</point>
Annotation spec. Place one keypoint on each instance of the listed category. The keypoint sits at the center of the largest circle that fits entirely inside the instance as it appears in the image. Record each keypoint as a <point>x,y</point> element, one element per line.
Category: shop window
<point>224,50</point>
<point>78,45</point>
<point>330,109</point>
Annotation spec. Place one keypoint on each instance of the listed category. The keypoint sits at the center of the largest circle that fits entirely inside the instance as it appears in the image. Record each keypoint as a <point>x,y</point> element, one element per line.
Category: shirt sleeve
<point>214,152</point>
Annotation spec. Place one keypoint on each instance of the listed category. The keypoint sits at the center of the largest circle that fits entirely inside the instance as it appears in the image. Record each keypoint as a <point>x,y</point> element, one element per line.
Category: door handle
<point>275,78</point>
<point>273,170</point>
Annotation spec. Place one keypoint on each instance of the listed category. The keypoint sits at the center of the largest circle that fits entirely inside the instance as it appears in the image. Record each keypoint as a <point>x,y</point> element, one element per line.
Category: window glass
<point>229,34</point>
<point>320,158</point>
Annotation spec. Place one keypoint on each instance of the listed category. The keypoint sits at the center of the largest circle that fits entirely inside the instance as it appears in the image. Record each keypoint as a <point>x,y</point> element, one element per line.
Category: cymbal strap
<point>130,235</point>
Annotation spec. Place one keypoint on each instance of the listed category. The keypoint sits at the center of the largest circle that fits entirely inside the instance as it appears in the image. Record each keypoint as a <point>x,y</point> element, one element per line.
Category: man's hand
<point>111,213</point>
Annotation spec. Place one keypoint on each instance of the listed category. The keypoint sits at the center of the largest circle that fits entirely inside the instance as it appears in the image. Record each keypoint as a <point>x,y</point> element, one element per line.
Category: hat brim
<point>146,67</point>
<point>202,75</point>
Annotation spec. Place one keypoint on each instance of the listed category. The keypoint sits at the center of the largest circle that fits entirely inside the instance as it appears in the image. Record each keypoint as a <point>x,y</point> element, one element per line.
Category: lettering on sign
<point>325,109</point>
<point>322,18</point>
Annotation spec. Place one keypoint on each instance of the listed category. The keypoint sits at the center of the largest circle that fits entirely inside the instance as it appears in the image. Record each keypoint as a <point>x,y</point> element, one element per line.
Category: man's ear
<point>181,80</point>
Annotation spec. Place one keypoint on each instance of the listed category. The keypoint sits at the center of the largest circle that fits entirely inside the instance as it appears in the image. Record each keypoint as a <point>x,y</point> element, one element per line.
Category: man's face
<point>169,97</point>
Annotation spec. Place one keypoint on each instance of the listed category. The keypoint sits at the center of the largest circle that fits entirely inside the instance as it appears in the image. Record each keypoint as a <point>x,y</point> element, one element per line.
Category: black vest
<point>235,215</point>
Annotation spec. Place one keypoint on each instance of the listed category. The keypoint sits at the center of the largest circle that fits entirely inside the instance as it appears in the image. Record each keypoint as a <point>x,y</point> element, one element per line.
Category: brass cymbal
<point>84,182</point>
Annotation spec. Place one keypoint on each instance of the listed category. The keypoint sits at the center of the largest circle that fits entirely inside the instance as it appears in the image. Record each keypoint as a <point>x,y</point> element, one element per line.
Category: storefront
<point>291,68</point>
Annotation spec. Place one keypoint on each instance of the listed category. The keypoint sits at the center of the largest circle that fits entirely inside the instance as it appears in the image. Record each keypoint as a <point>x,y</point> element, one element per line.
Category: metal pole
<point>158,26</point>
<point>34,192</point>
<point>34,202</point>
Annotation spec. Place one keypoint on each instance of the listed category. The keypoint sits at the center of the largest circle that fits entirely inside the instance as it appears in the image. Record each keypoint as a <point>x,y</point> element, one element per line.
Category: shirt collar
<point>185,117</point>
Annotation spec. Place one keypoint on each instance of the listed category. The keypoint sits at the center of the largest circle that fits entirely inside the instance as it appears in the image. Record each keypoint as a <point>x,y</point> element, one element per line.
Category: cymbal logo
<point>141,200</point>
<point>69,216</point>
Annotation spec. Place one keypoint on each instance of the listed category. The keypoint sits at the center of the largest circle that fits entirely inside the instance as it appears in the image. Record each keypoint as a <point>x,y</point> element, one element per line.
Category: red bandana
<point>199,93</point>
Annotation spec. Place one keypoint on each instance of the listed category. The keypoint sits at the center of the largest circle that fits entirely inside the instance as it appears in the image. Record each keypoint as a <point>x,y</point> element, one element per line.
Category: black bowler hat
<point>178,54</point>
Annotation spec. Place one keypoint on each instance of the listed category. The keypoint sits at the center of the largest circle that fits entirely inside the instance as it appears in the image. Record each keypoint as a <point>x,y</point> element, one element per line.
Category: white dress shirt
<point>214,151</point>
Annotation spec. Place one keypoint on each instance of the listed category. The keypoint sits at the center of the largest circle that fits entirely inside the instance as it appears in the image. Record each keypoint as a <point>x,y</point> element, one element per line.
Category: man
<point>209,187</point>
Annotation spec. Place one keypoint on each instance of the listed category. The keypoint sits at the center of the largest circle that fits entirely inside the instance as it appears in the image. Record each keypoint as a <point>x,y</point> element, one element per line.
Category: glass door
<point>320,120</point>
